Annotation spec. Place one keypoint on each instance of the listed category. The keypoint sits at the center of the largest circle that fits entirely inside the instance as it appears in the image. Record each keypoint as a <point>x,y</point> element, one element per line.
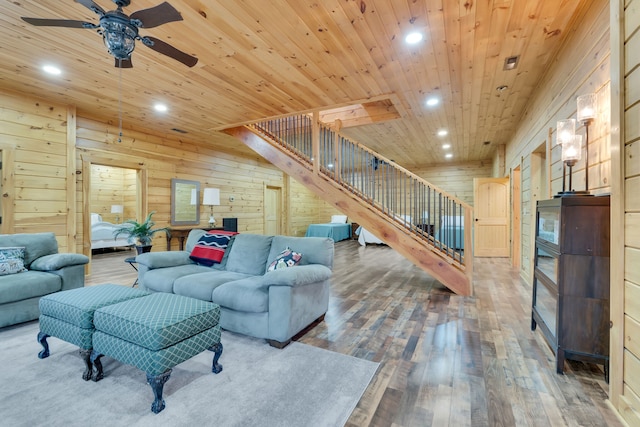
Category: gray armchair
<point>47,271</point>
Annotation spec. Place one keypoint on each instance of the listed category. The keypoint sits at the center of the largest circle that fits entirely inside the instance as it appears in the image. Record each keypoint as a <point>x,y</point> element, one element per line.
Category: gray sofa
<point>273,305</point>
<point>47,272</point>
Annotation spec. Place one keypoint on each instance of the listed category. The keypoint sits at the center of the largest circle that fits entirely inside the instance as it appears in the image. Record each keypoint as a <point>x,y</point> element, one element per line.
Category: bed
<point>451,231</point>
<point>102,234</point>
<point>338,229</point>
<point>365,236</point>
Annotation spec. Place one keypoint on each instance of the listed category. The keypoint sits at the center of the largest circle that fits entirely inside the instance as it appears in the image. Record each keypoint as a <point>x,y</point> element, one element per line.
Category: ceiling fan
<point>119,31</point>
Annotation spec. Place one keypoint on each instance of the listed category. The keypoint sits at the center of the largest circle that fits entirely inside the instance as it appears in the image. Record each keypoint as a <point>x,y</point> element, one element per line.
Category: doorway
<point>491,222</point>
<point>136,198</point>
<point>272,210</point>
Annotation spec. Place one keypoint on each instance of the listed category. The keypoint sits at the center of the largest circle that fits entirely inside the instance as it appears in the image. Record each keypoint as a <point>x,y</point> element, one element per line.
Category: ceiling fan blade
<point>172,52</point>
<point>57,23</point>
<point>89,4</point>
<point>157,15</point>
<point>123,63</point>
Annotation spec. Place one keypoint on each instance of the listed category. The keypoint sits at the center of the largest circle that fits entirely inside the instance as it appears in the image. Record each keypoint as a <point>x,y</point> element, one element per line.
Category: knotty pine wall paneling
<point>113,186</point>
<point>578,68</point>
<point>42,195</point>
<point>33,138</point>
<point>625,215</point>
<point>457,178</point>
<point>240,178</point>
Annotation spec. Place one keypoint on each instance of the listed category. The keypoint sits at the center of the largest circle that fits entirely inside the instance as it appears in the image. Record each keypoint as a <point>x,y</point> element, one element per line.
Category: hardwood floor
<point>444,360</point>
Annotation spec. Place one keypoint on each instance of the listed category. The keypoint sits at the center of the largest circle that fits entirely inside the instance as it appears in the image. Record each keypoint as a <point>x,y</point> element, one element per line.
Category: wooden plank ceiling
<point>260,58</point>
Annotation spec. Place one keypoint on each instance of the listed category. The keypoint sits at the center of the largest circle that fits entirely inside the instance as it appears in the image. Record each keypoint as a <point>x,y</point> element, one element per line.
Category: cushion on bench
<point>157,321</point>
<point>77,306</point>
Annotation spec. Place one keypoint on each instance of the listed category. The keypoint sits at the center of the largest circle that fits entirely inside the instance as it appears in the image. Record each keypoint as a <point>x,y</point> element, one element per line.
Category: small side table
<point>132,261</point>
<point>354,227</point>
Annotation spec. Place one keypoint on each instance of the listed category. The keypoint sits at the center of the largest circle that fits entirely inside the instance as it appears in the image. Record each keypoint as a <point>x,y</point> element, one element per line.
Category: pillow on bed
<point>338,219</point>
<point>95,218</point>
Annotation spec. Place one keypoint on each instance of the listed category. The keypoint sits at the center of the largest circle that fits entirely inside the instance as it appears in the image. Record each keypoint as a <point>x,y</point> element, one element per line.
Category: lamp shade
<point>571,151</point>
<point>587,107</point>
<point>566,129</point>
<point>117,209</point>
<point>211,197</point>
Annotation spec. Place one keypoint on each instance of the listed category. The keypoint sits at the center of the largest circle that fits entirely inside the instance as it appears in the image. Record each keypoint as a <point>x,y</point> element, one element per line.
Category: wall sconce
<point>117,209</point>
<point>211,198</point>
<point>587,109</point>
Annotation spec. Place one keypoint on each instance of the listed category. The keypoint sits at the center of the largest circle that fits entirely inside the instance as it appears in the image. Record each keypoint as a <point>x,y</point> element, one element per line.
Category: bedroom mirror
<point>185,202</point>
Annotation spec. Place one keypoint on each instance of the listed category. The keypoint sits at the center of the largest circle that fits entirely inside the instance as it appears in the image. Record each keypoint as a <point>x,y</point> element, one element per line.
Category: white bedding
<point>365,236</point>
<point>102,234</point>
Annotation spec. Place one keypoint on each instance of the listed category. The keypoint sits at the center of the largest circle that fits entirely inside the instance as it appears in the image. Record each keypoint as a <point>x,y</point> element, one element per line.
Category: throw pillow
<point>338,219</point>
<point>11,260</point>
<point>286,258</point>
<point>211,246</point>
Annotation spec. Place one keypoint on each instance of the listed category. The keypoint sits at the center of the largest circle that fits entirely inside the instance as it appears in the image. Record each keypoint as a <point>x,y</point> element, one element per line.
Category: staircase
<point>426,225</point>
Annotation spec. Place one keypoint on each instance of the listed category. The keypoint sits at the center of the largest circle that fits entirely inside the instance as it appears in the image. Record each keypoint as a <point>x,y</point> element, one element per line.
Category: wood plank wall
<point>457,178</point>
<point>38,173</point>
<point>625,253</point>
<point>113,186</point>
<point>579,68</point>
<point>33,140</point>
<point>238,176</point>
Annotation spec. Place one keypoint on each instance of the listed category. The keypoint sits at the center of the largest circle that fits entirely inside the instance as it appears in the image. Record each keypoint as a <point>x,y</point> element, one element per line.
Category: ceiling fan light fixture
<point>119,37</point>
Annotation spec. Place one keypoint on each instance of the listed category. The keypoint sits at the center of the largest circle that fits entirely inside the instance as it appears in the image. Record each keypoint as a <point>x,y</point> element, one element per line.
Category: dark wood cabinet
<point>571,278</point>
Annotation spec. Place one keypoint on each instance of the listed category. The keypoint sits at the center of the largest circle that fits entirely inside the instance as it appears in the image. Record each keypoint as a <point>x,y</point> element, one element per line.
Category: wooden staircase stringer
<point>450,273</point>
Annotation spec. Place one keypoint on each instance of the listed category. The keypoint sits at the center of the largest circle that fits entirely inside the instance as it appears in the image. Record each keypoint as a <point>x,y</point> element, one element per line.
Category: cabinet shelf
<point>571,278</point>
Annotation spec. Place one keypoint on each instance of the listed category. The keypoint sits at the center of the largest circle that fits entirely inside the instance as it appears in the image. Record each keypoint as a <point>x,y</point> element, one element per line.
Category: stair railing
<point>421,208</point>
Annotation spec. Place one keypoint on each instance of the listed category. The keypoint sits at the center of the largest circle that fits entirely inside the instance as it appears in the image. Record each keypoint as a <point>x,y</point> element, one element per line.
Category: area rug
<point>259,386</point>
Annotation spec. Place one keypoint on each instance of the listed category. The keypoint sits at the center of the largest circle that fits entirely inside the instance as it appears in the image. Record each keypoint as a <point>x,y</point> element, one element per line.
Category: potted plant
<point>140,233</point>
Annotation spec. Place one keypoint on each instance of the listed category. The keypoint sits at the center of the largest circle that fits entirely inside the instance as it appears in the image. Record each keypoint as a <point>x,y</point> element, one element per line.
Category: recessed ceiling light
<point>161,108</point>
<point>413,38</point>
<point>51,69</point>
<point>433,101</point>
<point>443,132</point>
<point>448,155</point>
<point>446,146</point>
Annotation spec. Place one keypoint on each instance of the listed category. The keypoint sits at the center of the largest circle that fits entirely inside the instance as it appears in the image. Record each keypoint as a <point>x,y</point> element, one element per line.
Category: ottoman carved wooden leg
<point>216,368</point>
<point>86,358</point>
<point>157,384</point>
<point>99,373</point>
<point>42,339</point>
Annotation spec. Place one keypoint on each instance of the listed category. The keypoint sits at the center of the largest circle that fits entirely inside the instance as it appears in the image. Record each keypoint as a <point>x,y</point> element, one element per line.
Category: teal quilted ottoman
<point>68,315</point>
<point>156,333</point>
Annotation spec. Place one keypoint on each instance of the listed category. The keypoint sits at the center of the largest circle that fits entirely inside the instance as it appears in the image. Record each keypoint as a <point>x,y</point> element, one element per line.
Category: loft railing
<point>421,208</point>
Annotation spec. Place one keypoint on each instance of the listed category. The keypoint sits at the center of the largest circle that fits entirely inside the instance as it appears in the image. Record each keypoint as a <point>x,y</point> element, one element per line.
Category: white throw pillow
<point>338,219</point>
